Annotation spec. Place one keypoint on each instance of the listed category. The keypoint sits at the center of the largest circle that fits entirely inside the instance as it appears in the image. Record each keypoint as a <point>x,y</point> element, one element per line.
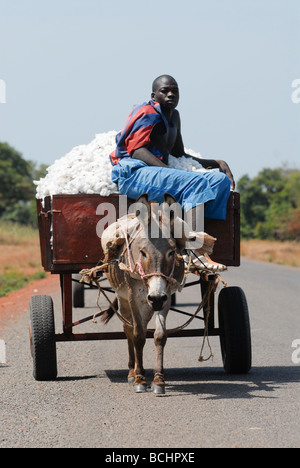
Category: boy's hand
<point>226,169</point>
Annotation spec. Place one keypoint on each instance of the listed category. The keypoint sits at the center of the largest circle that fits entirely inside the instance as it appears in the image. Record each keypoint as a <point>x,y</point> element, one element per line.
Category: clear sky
<point>74,68</point>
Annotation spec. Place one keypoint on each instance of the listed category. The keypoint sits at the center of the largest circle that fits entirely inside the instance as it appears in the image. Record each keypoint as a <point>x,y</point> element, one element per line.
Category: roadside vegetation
<point>19,242</point>
<point>281,253</point>
<point>270,216</point>
<point>20,257</point>
<point>270,205</point>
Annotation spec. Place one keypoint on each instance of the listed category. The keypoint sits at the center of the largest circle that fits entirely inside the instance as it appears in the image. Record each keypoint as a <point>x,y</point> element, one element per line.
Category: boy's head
<point>165,91</point>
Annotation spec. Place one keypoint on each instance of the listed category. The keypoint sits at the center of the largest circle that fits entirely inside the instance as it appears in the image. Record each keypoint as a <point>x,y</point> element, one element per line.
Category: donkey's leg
<point>139,339</point>
<point>131,363</point>
<point>160,339</point>
<point>125,311</point>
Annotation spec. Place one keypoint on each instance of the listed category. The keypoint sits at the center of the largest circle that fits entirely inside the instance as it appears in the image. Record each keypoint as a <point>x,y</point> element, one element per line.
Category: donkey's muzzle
<point>158,301</point>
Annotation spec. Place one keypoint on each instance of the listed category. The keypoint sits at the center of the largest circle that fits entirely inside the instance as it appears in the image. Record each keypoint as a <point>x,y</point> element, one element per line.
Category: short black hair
<point>157,81</point>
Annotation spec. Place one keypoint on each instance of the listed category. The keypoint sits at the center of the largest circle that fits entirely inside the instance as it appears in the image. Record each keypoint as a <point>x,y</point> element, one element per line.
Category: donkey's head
<point>155,250</point>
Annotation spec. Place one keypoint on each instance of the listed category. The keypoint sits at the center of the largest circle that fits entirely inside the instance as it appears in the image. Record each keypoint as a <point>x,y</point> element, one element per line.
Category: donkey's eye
<point>171,254</point>
<point>143,254</point>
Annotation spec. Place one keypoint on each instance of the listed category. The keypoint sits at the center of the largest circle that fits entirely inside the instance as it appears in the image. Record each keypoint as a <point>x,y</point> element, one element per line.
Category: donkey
<point>144,271</point>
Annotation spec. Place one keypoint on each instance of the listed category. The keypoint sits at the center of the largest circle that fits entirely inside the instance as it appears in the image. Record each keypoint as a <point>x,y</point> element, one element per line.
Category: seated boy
<point>152,132</point>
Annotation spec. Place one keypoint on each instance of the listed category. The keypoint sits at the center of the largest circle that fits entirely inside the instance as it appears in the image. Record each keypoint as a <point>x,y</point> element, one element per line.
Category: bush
<point>23,213</point>
<point>270,205</point>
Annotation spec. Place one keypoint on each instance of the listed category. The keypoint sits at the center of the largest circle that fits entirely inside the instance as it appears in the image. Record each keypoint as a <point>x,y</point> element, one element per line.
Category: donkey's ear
<point>171,210</point>
<point>143,199</point>
<point>142,209</point>
<point>169,199</point>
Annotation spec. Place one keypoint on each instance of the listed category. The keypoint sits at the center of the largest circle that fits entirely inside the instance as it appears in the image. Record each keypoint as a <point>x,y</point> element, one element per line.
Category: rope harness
<point>136,271</point>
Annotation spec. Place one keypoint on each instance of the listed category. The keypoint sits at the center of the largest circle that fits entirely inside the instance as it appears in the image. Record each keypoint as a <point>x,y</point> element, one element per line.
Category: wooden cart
<point>69,242</point>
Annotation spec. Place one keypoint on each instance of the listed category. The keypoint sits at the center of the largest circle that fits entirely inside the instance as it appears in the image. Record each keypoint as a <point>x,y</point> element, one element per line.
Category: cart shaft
<point>121,335</point>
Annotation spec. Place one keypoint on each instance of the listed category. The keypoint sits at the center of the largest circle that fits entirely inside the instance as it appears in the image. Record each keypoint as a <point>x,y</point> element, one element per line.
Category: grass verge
<point>20,261</point>
<point>16,234</point>
<point>281,253</point>
<point>12,280</point>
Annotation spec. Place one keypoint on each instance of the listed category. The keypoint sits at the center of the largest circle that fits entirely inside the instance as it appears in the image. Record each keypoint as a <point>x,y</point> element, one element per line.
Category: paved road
<point>91,405</point>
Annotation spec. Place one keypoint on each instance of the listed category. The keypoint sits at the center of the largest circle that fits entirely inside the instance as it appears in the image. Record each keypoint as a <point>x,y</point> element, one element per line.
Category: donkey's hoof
<point>140,388</point>
<point>131,381</point>
<point>158,389</point>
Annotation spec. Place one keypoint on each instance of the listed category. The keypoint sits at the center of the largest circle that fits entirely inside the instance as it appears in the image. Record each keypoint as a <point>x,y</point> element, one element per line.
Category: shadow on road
<point>214,384</point>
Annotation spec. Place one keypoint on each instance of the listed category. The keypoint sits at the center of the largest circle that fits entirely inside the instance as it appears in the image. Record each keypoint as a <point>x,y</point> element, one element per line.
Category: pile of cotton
<point>186,164</point>
<point>87,169</point>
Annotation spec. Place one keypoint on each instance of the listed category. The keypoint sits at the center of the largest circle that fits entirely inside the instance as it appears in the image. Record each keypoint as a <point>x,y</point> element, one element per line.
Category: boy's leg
<point>220,186</point>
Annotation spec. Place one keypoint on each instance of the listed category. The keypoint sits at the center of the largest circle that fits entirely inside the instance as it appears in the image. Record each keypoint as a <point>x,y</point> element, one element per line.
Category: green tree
<point>15,178</point>
<point>270,204</point>
<point>17,190</point>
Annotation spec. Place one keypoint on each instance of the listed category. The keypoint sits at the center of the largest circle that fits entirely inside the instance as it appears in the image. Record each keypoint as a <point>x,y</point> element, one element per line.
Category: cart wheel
<point>235,334</point>
<point>42,338</point>
<point>78,293</point>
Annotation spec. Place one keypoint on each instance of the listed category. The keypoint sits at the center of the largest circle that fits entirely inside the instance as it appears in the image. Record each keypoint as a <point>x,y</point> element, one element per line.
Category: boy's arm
<point>143,154</point>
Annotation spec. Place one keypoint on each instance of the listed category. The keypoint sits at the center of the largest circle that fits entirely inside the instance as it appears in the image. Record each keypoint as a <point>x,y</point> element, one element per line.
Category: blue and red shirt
<point>137,131</point>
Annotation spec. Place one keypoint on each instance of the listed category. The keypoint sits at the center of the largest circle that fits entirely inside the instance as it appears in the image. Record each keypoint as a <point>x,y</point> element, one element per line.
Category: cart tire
<point>42,338</point>
<point>78,293</point>
<point>235,334</point>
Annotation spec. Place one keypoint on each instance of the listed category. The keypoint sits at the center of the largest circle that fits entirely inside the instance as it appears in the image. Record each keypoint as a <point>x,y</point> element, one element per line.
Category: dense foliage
<point>270,205</point>
<point>17,191</point>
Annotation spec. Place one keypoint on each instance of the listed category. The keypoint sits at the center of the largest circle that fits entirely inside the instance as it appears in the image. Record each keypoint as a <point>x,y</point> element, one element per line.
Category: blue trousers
<point>190,189</point>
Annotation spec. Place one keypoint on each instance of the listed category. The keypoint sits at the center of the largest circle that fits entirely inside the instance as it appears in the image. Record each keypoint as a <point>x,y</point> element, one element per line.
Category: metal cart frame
<point>69,243</point>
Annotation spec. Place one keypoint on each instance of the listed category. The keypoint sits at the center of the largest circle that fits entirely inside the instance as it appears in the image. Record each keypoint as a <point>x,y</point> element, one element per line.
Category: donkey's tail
<point>108,314</point>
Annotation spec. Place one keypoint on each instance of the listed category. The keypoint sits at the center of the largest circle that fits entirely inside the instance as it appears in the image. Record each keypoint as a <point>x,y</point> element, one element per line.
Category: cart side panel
<point>227,247</point>
<point>78,222</point>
